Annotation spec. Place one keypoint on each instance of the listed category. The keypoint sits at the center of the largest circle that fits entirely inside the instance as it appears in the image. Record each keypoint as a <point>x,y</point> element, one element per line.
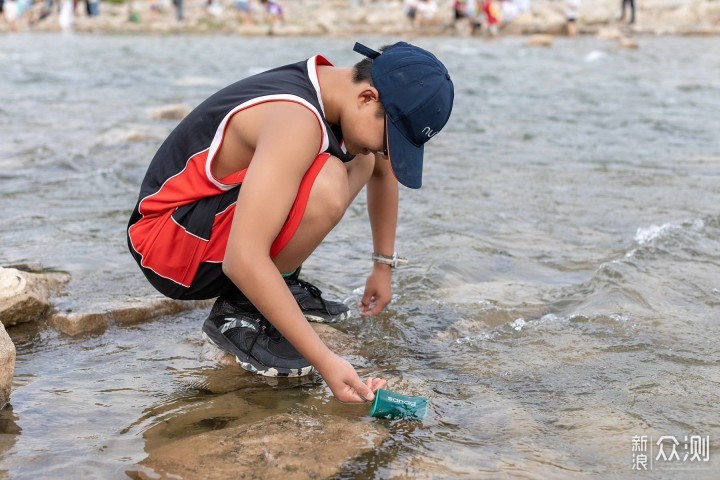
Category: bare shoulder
<point>278,129</point>
<point>290,120</point>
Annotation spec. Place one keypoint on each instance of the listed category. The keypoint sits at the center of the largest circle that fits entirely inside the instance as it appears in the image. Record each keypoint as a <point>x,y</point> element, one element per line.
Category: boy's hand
<point>345,382</point>
<point>378,291</point>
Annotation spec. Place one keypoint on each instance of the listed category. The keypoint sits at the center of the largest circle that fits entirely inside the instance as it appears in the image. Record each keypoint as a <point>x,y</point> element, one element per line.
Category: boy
<point>252,180</point>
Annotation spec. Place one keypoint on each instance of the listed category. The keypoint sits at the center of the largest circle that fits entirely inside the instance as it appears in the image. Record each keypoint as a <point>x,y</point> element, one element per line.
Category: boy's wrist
<point>393,261</point>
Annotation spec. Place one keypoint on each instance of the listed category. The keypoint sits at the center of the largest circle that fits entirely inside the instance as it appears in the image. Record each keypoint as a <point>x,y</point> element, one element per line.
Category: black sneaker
<point>236,327</point>
<point>314,307</point>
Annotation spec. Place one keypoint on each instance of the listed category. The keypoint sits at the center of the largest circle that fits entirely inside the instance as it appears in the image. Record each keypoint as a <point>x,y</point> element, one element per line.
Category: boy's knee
<point>330,195</point>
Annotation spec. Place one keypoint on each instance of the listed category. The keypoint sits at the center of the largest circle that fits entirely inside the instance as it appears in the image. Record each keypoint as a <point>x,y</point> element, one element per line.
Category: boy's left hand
<point>378,291</point>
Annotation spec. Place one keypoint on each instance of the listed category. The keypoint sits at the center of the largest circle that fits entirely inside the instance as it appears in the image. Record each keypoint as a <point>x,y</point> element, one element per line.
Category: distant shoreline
<point>336,18</point>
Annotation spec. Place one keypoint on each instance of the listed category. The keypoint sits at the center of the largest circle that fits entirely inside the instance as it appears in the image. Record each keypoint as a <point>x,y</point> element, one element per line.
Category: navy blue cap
<point>417,94</point>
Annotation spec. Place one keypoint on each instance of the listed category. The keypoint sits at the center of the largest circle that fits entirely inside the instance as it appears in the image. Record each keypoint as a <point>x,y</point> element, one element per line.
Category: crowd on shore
<point>342,17</point>
<point>490,16</point>
<point>21,14</point>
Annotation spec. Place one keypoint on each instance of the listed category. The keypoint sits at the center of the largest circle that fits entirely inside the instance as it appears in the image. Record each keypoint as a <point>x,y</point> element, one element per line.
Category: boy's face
<point>365,132</point>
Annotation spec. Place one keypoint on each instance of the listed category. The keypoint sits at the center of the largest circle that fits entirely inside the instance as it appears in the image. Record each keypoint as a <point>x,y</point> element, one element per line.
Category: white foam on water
<point>619,317</point>
<point>653,232</point>
<point>594,56</point>
<point>518,325</point>
<point>485,336</point>
<point>646,235</point>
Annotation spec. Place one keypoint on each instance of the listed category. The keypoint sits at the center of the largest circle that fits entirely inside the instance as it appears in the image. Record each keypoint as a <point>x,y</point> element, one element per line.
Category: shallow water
<point>563,293</point>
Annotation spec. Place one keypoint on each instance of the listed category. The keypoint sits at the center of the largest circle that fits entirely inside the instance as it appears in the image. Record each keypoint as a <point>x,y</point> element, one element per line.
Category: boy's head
<point>417,94</point>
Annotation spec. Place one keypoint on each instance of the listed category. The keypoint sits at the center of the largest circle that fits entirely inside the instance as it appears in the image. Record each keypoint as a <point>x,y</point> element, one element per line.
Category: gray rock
<point>297,446</point>
<point>24,295</point>
<point>75,323</point>
<point>7,366</point>
<point>94,321</point>
<point>540,40</point>
<point>170,112</point>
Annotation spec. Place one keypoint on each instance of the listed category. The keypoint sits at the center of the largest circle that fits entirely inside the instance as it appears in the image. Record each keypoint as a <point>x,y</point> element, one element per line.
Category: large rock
<point>7,366</point>
<point>297,446</point>
<point>24,295</point>
<point>170,112</point>
<point>95,321</point>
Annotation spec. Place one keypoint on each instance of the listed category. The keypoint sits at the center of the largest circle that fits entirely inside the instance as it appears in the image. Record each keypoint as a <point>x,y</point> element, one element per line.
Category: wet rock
<point>297,446</point>
<point>540,40</point>
<point>170,112</point>
<point>78,323</point>
<point>628,43</point>
<point>7,366</point>
<point>24,295</point>
<point>610,33</point>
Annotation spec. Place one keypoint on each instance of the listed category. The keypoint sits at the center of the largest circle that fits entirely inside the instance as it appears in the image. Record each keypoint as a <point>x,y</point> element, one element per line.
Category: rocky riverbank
<point>348,17</point>
<point>297,444</point>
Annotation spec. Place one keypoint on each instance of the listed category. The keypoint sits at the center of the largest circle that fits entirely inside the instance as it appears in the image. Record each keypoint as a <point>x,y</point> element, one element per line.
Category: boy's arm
<point>287,142</point>
<point>382,201</point>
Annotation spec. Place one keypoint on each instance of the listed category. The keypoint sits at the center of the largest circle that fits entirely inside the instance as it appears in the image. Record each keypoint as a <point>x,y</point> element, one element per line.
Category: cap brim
<point>406,158</point>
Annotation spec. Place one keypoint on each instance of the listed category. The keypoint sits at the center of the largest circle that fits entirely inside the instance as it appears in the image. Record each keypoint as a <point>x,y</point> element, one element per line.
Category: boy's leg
<point>236,326</point>
<point>333,191</point>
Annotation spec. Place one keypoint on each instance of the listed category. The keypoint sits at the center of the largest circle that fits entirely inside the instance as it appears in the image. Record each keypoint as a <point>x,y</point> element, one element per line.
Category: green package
<point>394,405</point>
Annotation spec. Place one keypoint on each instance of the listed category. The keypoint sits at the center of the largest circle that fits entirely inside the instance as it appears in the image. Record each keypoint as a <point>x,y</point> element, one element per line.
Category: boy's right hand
<point>345,383</point>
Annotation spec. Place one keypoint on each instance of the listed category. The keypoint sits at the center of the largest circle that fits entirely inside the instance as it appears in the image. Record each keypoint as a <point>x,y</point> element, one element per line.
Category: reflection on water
<point>562,295</point>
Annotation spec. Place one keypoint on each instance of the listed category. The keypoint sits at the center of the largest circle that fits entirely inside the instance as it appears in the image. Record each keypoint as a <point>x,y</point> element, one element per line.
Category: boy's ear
<point>368,95</point>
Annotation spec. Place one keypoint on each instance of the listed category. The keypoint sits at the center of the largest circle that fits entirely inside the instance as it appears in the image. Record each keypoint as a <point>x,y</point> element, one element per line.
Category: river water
<point>563,292</point>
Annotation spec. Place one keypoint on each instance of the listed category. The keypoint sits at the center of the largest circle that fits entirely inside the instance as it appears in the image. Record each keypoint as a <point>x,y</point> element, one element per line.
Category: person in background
<point>493,16</point>
<point>275,11</point>
<point>214,8</point>
<point>10,12</point>
<point>623,6</point>
<point>244,10</point>
<point>410,8</point>
<point>475,20</point>
<point>465,16</point>
<point>459,9</point>
<point>426,13</point>
<point>509,11</point>
<point>92,7</point>
<point>179,13</point>
<point>572,10</point>
<point>155,9</point>
<point>522,5</point>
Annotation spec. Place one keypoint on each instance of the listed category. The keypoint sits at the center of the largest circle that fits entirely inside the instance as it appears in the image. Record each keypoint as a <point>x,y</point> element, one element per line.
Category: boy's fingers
<point>364,391</point>
<point>378,383</point>
<point>366,298</point>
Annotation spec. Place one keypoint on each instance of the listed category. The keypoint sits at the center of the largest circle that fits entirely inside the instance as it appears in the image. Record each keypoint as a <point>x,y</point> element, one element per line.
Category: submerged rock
<point>170,112</point>
<point>540,40</point>
<point>7,366</point>
<point>628,43</point>
<point>24,295</point>
<point>77,323</point>
<point>297,446</point>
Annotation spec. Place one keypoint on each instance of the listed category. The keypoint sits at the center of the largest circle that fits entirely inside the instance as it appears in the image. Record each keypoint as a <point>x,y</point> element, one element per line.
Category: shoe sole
<point>319,319</point>
<point>247,361</point>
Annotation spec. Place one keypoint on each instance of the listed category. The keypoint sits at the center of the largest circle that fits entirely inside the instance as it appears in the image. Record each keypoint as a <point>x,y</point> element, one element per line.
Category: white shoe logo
<point>238,322</point>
